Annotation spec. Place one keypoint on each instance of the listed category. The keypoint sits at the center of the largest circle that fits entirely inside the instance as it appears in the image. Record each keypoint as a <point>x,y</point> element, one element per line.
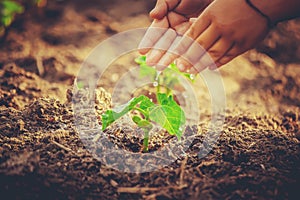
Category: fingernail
<point>152,12</point>
<point>192,20</point>
<point>143,51</point>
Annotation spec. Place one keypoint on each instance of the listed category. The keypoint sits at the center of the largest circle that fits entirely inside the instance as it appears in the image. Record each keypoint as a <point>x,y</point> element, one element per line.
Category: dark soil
<point>43,157</point>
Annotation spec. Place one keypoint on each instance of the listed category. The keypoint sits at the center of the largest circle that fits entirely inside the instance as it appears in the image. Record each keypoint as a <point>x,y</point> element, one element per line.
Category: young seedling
<point>8,11</point>
<point>165,111</point>
<point>10,8</point>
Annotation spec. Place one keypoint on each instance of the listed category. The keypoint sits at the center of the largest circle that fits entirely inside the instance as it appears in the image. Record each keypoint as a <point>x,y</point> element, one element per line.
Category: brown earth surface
<point>43,157</point>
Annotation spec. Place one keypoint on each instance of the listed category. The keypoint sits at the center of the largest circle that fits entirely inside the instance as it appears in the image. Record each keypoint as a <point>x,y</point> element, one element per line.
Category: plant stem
<point>146,115</point>
<point>168,91</point>
<point>146,140</point>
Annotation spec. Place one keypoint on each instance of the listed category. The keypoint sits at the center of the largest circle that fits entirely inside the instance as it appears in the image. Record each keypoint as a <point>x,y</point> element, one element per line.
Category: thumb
<point>160,10</point>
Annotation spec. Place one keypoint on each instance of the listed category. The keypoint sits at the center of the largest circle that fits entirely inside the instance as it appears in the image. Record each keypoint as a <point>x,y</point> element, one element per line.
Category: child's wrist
<point>270,23</point>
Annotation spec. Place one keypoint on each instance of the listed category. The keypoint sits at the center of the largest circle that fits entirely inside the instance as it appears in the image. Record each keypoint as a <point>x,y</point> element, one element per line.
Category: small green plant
<point>10,8</point>
<point>169,78</point>
<point>165,111</point>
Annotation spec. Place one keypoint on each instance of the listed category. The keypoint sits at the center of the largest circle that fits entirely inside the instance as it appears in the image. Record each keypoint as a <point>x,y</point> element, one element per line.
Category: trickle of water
<point>155,83</point>
<point>157,75</point>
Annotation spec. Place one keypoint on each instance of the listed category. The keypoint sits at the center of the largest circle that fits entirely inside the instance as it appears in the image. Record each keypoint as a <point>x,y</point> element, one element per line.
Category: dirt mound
<point>251,160</point>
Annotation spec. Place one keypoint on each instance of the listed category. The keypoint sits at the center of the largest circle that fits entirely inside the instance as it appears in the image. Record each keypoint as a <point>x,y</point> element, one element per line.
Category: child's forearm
<point>278,10</point>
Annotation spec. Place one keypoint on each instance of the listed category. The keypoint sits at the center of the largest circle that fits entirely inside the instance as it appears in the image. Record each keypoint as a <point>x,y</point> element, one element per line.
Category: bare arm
<point>278,10</point>
<point>227,28</point>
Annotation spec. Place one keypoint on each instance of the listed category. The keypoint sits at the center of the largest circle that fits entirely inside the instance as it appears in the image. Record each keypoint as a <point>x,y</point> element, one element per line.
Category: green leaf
<point>146,125</point>
<point>140,60</point>
<point>112,115</point>
<point>7,20</point>
<point>136,119</point>
<point>145,70</point>
<point>80,85</point>
<point>168,115</point>
<point>146,104</point>
<point>11,8</point>
<point>170,77</point>
<point>184,74</point>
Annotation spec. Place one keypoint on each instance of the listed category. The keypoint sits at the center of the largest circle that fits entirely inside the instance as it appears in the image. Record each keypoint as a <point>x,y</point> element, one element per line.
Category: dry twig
<point>61,146</point>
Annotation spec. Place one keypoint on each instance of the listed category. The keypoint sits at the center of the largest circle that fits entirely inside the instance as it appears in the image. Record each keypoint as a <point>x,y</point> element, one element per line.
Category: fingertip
<point>214,66</point>
<point>149,61</point>
<point>143,51</point>
<point>181,67</point>
<point>160,10</point>
<point>154,14</point>
<point>193,71</point>
<point>192,20</point>
<point>166,60</point>
<point>160,67</point>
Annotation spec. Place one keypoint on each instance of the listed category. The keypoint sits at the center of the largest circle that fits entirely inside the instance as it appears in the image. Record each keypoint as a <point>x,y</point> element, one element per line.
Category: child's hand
<point>171,17</point>
<point>225,29</point>
<point>187,8</point>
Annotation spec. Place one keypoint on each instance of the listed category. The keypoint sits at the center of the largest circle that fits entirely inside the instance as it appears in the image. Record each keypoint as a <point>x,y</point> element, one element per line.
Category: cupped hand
<point>171,17</point>
<point>224,30</point>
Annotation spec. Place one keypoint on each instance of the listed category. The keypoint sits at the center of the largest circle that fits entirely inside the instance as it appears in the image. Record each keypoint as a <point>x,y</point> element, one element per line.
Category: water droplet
<point>192,76</point>
<point>155,84</point>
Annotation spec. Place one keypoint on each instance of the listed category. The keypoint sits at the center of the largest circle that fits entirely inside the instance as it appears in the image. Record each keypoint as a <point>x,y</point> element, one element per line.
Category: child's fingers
<point>227,57</point>
<point>192,20</point>
<point>152,35</point>
<point>169,55</point>
<point>220,49</point>
<point>172,4</point>
<point>190,36</point>
<point>190,47</point>
<point>186,64</point>
<point>159,49</point>
<point>208,38</point>
<point>160,10</point>
<point>183,65</point>
<point>198,26</point>
<point>192,71</point>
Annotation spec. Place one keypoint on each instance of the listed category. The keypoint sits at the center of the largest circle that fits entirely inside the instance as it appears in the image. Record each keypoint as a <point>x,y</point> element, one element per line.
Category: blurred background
<point>51,39</point>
